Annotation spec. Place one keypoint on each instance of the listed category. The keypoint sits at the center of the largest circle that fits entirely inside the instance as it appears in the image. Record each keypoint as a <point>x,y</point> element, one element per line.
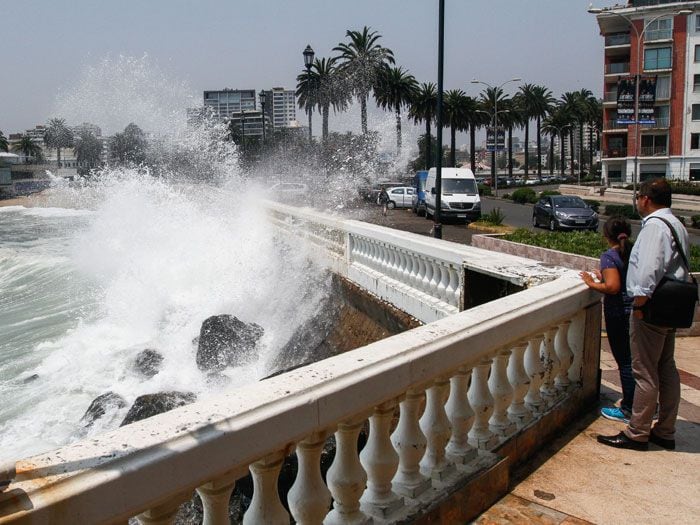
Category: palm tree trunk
<point>550,157</point>
<point>571,153</point>
<point>398,130</point>
<point>590,149</point>
<point>363,114</point>
<point>527,146</point>
<point>58,157</point>
<point>325,112</point>
<point>472,148</point>
<point>453,139</point>
<point>539,148</point>
<point>580,145</point>
<point>562,166</point>
<point>428,153</point>
<point>510,151</point>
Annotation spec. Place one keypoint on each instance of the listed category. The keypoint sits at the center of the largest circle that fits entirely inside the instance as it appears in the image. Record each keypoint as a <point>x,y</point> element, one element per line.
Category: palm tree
<point>583,96</point>
<point>27,147</point>
<point>423,109</point>
<point>527,92</point>
<point>3,142</point>
<point>324,87</point>
<point>476,117</point>
<point>58,136</point>
<point>395,88</point>
<point>555,124</point>
<point>362,59</point>
<point>571,106</point>
<point>456,111</point>
<point>540,105</point>
<point>514,115</point>
<point>88,149</point>
<point>490,99</point>
<point>594,118</point>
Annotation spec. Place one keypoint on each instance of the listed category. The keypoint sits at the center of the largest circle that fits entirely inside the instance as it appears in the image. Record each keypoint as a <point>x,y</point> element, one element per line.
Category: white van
<point>460,194</point>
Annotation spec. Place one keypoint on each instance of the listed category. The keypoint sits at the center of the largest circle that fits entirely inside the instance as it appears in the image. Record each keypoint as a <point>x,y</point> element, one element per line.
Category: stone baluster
<point>436,428</point>
<point>575,336</point>
<point>215,497</point>
<point>443,280</point>
<point>434,280</point>
<point>502,393</point>
<point>407,268</point>
<point>481,401</point>
<point>519,380</point>
<point>364,251</point>
<point>535,371</point>
<point>563,351</point>
<point>415,271</point>
<point>266,507</point>
<point>461,416</point>
<point>427,275</point>
<point>309,499</point>
<point>391,262</point>
<point>163,514</point>
<point>377,256</point>
<point>346,478</point>
<point>551,367</point>
<point>380,462</point>
<point>410,443</point>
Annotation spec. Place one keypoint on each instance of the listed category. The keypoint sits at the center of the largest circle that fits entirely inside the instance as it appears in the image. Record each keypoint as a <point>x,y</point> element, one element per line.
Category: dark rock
<point>100,406</point>
<point>148,362</point>
<point>30,378</point>
<point>225,340</point>
<point>153,404</point>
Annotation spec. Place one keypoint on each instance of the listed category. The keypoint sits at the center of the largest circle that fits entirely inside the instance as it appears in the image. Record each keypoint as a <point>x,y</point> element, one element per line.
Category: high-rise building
<point>280,106</point>
<point>647,40</point>
<point>227,101</point>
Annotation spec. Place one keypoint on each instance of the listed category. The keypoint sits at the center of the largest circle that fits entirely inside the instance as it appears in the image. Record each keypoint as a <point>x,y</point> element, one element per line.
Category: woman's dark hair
<point>618,230</point>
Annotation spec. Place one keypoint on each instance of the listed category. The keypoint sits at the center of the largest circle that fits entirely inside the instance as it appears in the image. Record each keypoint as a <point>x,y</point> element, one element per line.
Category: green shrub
<point>681,187</point>
<point>524,195</point>
<point>590,244</point>
<point>695,219</point>
<point>484,189</point>
<point>506,196</point>
<point>549,192</point>
<point>623,210</point>
<point>495,217</point>
<point>595,205</point>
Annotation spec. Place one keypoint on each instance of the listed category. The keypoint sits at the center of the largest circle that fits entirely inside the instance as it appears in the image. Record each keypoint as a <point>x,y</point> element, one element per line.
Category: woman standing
<point>617,307</point>
<point>384,201</point>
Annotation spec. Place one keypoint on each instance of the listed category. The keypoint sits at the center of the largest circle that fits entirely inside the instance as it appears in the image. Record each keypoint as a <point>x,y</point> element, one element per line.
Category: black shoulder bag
<point>673,302</point>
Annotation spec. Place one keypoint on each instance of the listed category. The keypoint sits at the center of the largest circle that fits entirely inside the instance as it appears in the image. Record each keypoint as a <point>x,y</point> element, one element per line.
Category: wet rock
<point>148,362</point>
<point>30,378</point>
<point>225,340</point>
<point>102,404</point>
<point>150,405</point>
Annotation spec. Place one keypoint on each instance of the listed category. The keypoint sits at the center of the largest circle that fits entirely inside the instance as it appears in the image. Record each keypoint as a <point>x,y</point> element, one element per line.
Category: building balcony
<point>617,68</point>
<point>657,35</point>
<point>653,151</point>
<point>612,125</point>
<point>619,39</point>
<point>613,153</point>
<point>610,97</point>
<point>661,122</point>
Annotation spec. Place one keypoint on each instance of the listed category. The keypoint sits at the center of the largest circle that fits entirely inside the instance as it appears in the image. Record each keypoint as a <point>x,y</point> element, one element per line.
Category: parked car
<point>565,212</point>
<point>401,197</point>
<point>288,191</point>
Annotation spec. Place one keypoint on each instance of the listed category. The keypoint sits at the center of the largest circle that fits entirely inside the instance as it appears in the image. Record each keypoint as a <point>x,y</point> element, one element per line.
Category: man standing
<point>654,256</point>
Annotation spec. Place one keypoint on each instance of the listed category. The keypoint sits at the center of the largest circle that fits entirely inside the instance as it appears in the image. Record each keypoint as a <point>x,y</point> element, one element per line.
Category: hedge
<point>524,195</point>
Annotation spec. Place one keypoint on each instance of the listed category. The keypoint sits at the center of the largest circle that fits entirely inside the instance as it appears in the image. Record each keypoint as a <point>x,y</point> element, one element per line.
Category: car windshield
<point>569,202</point>
<point>459,186</point>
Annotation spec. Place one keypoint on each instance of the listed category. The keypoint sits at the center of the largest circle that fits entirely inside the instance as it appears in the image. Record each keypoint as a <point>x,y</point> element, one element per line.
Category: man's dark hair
<point>658,190</point>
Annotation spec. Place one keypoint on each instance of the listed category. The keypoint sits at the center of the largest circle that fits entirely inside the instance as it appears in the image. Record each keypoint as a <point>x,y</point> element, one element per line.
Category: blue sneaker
<point>615,414</point>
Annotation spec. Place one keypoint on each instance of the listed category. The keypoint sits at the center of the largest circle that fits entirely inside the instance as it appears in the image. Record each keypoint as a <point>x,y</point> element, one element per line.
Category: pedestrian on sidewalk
<point>654,256</point>
<point>383,199</point>
<point>617,307</point>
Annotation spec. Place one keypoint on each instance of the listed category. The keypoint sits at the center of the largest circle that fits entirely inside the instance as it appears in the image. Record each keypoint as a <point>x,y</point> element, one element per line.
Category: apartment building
<point>280,106</point>
<point>227,101</point>
<point>651,43</point>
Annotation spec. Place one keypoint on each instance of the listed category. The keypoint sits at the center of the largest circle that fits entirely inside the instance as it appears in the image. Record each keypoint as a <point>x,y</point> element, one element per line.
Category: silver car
<point>564,212</point>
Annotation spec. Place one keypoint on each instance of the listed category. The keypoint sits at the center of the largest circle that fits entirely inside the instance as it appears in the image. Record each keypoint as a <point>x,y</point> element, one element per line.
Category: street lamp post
<point>494,169</point>
<point>308,61</point>
<point>263,97</point>
<point>437,225</point>
<point>637,77</point>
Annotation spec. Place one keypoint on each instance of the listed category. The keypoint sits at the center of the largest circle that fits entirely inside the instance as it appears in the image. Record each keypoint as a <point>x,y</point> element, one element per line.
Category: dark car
<point>564,212</point>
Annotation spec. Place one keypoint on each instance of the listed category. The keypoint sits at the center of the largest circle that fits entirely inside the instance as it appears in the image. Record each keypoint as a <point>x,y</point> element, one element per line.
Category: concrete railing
<point>476,381</point>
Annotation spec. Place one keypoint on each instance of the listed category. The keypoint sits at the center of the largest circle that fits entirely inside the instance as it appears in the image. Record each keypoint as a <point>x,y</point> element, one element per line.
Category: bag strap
<point>678,245</point>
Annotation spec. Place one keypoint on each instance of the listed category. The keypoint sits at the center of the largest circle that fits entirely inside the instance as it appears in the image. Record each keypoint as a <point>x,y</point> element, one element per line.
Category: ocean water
<point>104,271</point>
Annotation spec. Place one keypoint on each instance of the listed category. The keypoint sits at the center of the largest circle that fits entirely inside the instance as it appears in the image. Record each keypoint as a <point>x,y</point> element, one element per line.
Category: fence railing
<point>483,376</point>
<point>617,68</point>
<point>619,39</point>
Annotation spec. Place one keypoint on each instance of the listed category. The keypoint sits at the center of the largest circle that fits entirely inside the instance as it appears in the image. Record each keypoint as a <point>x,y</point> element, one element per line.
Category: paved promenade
<point>577,480</point>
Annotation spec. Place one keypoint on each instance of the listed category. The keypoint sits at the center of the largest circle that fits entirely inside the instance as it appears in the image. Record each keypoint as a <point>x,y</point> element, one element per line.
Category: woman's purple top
<point>619,303</point>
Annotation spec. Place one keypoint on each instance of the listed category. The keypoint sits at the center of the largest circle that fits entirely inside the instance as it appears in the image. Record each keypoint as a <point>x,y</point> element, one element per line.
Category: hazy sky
<point>211,44</point>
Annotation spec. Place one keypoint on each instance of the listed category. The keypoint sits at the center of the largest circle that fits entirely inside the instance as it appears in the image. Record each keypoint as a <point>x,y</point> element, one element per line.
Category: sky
<point>50,46</point>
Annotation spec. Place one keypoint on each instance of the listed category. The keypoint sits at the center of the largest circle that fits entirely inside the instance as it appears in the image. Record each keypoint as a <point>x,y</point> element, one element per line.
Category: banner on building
<point>626,89</point>
<point>647,98</point>
<point>501,145</point>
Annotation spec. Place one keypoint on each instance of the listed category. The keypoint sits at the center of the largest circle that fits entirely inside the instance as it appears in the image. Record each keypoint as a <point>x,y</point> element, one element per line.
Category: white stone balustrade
<point>550,363</point>
<point>154,464</point>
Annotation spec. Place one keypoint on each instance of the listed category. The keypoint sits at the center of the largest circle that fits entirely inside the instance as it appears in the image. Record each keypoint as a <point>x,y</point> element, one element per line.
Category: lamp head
<point>685,12</point>
<point>594,10</point>
<point>308,56</point>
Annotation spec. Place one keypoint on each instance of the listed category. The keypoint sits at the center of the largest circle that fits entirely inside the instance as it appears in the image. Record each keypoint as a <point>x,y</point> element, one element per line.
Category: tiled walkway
<point>577,480</point>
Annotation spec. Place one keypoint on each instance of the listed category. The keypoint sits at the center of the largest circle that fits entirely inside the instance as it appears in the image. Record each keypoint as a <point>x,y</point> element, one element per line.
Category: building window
<point>660,29</point>
<point>697,22</point>
<point>695,141</point>
<point>659,58</point>
<point>696,83</point>
<point>663,88</point>
<point>696,112</point>
<point>697,53</point>
<point>694,171</point>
